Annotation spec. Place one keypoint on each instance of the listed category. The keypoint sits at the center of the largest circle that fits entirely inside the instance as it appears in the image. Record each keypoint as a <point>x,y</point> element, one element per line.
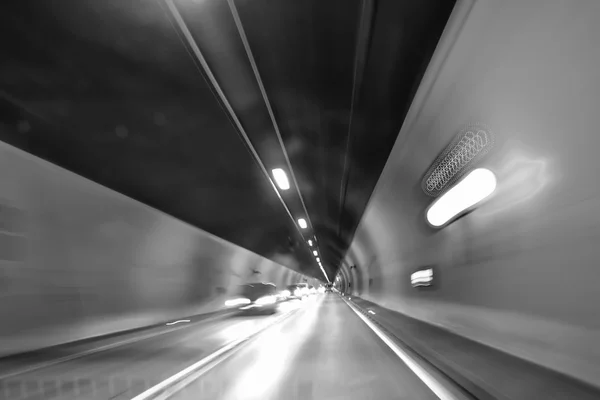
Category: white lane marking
<point>176,322</point>
<point>170,381</point>
<point>440,391</point>
<point>271,357</point>
<point>97,350</point>
<point>371,312</point>
<point>170,391</point>
<point>188,375</point>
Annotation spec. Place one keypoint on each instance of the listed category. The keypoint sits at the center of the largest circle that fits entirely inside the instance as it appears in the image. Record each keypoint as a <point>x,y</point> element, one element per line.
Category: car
<point>304,289</point>
<point>294,292</point>
<point>255,298</point>
<point>329,288</point>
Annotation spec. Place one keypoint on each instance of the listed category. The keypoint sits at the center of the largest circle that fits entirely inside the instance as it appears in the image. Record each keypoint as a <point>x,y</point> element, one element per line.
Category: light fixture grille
<point>468,147</point>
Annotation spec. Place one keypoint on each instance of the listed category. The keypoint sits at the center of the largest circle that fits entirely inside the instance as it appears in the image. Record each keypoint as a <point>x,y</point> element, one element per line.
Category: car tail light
<point>266,300</point>
<point>237,302</point>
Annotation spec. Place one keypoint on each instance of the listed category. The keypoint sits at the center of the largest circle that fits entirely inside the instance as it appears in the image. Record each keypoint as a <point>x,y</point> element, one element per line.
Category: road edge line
<point>431,382</point>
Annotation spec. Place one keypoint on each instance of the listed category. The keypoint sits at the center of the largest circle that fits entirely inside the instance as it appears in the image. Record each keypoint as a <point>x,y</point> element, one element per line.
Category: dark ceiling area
<point>187,106</point>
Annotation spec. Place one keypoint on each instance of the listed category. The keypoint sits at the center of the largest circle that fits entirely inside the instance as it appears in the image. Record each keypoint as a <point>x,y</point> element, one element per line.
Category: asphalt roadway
<point>313,349</point>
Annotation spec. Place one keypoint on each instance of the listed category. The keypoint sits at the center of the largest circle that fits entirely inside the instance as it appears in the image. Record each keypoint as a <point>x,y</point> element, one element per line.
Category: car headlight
<point>298,292</point>
<point>285,293</point>
<point>237,302</point>
<point>266,300</point>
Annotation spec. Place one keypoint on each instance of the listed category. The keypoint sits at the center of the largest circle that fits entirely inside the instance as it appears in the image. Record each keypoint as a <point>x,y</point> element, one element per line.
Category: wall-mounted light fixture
<point>467,148</point>
<point>470,190</point>
<point>423,277</point>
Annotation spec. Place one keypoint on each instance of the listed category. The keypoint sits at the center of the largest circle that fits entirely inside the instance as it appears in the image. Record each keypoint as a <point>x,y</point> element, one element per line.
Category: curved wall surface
<point>79,260</point>
<point>521,272</point>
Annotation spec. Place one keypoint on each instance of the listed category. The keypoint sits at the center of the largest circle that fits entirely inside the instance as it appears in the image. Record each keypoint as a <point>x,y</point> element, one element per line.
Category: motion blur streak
<point>129,202</point>
<point>524,177</point>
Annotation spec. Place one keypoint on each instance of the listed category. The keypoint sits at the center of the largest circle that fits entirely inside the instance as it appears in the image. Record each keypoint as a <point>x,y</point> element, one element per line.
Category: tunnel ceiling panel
<point>112,90</point>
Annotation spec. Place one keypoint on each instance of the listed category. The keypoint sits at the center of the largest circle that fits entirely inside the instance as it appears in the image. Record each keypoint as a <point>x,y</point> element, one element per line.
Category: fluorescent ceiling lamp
<point>309,242</point>
<point>318,260</point>
<point>302,223</point>
<point>324,273</point>
<point>281,179</point>
<point>472,189</point>
<point>315,253</point>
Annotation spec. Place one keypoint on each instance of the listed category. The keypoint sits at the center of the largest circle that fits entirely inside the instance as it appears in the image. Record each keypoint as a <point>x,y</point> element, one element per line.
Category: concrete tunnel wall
<point>521,273</point>
<point>79,260</point>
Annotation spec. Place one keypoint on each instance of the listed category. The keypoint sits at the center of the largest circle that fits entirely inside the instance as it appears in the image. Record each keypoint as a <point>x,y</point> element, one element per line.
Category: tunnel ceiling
<point>114,90</point>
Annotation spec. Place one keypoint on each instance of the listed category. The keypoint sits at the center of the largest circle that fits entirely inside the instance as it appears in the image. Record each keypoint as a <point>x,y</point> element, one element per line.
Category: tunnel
<point>285,199</point>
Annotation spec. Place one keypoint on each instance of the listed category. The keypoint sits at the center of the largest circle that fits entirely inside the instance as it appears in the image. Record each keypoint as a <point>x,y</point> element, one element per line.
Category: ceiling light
<point>315,253</point>
<point>318,260</point>
<point>302,223</point>
<point>309,242</point>
<point>281,179</point>
<point>476,186</point>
